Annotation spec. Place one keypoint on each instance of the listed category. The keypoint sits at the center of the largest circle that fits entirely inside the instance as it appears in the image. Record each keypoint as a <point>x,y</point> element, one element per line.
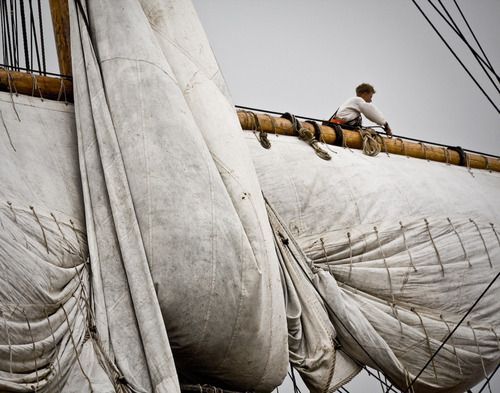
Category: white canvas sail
<point>401,250</point>
<point>45,311</point>
<point>178,227</point>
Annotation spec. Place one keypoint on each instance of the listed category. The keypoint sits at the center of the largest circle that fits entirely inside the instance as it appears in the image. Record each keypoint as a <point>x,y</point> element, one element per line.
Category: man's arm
<point>372,113</point>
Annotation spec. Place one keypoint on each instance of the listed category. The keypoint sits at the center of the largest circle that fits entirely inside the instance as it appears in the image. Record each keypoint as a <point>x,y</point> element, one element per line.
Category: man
<point>350,111</point>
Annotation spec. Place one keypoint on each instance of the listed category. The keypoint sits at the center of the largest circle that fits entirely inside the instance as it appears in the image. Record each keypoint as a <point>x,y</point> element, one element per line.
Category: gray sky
<point>306,57</point>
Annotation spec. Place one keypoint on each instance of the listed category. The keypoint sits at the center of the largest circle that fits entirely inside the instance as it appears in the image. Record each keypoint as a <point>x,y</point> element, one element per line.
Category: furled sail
<point>176,223</point>
<point>45,311</point>
<point>400,249</point>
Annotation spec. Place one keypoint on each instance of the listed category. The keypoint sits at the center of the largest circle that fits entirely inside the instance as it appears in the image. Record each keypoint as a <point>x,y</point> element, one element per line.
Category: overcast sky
<point>306,57</point>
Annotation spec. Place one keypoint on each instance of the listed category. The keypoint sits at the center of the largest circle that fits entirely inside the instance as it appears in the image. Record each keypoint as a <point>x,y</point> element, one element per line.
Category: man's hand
<point>388,130</point>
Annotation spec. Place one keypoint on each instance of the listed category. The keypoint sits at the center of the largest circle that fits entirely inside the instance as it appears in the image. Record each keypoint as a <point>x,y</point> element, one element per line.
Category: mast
<point>60,21</point>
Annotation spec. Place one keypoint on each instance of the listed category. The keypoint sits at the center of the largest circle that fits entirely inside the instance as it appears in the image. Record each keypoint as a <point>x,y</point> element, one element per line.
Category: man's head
<point>365,91</point>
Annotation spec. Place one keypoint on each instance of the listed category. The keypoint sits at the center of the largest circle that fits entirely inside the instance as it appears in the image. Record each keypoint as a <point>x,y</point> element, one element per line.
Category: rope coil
<point>371,146</point>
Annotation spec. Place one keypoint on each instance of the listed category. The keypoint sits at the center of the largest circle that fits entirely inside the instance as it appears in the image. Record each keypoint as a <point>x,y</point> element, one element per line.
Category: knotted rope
<point>371,147</point>
<point>256,127</point>
<point>307,136</point>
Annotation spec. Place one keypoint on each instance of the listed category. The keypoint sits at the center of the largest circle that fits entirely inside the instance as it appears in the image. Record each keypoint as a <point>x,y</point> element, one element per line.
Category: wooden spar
<point>36,85</point>
<point>62,89</point>
<point>60,21</point>
<point>354,140</point>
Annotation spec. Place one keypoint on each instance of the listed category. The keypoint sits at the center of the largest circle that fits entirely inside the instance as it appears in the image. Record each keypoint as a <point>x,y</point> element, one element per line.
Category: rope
<point>42,45</point>
<point>307,136</point>
<point>456,57</point>
<point>434,246</point>
<point>318,135</point>
<point>487,383</point>
<point>484,63</point>
<point>466,256</point>
<point>450,334</point>
<point>482,239</point>
<point>452,344</point>
<point>370,145</point>
<point>275,221</point>
<point>262,137</point>
<point>385,263</point>
<point>479,353</point>
<point>428,341</point>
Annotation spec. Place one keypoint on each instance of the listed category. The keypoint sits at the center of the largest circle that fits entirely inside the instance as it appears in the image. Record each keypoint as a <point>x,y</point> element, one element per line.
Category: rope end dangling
<point>307,136</point>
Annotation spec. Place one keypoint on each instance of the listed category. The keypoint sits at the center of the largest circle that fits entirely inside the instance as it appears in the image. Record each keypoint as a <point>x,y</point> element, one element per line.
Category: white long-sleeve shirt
<point>352,108</point>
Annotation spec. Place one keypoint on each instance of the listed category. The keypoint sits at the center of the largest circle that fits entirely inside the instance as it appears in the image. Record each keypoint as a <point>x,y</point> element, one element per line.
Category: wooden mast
<point>60,21</point>
<point>354,140</point>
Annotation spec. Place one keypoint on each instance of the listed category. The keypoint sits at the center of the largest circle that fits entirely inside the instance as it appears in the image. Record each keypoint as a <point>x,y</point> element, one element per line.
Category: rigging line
<point>9,29</point>
<point>327,305</point>
<point>456,57</point>
<point>15,29</point>
<point>451,333</point>
<point>3,30</point>
<point>42,44</point>
<point>396,136</point>
<point>480,60</point>
<point>25,37</point>
<point>457,30</point>
<point>486,383</point>
<point>473,35</point>
<point>33,36</point>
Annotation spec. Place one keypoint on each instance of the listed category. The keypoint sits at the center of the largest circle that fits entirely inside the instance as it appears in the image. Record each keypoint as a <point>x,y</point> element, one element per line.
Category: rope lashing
<point>262,137</point>
<point>319,136</point>
<point>428,341</point>
<point>339,134</point>
<point>307,136</point>
<point>461,153</point>
<point>317,130</point>
<point>371,147</point>
<point>452,344</point>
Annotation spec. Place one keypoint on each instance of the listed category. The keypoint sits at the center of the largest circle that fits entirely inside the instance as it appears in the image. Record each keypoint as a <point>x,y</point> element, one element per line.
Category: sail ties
<point>479,354</point>
<point>452,343</point>
<point>307,136</point>
<point>371,147</point>
<point>466,256</point>
<point>434,246</point>
<point>428,341</point>
<point>482,239</point>
<point>385,264</point>
<point>256,127</point>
